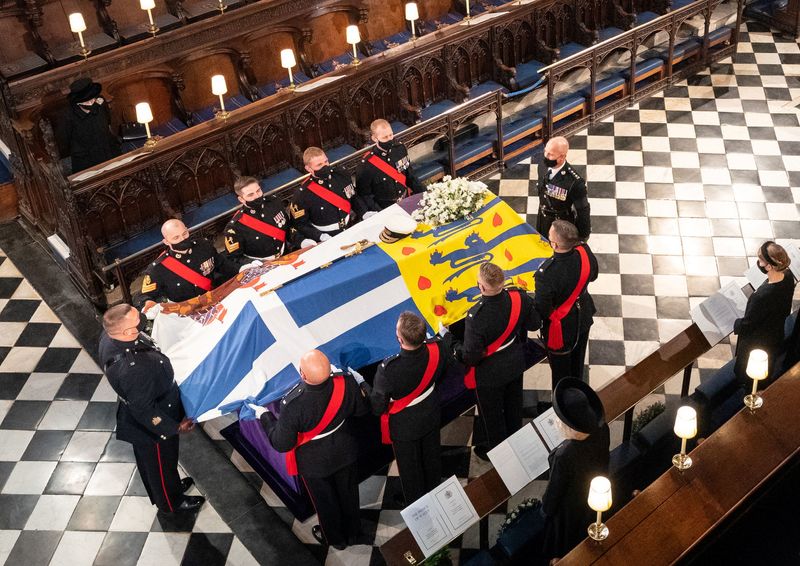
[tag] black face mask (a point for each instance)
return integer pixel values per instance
(142, 322)
(550, 162)
(93, 109)
(387, 145)
(323, 172)
(183, 246)
(762, 268)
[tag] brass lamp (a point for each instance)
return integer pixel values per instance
(78, 25)
(144, 115)
(599, 500)
(757, 369)
(287, 62)
(218, 88)
(412, 15)
(353, 37)
(149, 6)
(468, 16)
(685, 428)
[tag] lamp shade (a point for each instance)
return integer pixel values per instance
(218, 85)
(600, 494)
(686, 422)
(412, 13)
(757, 365)
(353, 35)
(147, 4)
(287, 59)
(144, 115)
(76, 23)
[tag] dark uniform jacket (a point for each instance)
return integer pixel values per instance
(485, 322)
(555, 279)
(572, 466)
(308, 209)
(398, 376)
(376, 188)
(90, 139)
(301, 410)
(160, 284)
(564, 197)
(243, 242)
(150, 406)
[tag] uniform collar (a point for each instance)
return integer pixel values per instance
(410, 353)
(554, 170)
(493, 297)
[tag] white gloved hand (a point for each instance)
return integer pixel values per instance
(307, 243)
(254, 263)
(151, 313)
(358, 377)
(443, 329)
(324, 237)
(369, 214)
(258, 409)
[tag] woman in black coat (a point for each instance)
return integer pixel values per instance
(762, 324)
(89, 126)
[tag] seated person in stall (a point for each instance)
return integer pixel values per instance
(326, 203)
(89, 126)
(385, 175)
(188, 267)
(259, 230)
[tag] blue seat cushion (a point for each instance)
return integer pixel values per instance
(520, 125)
(644, 67)
(220, 205)
(608, 33)
(474, 147)
(335, 62)
(645, 17)
(231, 103)
(449, 18)
(483, 88)
(5, 169)
(425, 170)
(683, 49)
(715, 390)
(569, 49)
(173, 126)
(393, 40)
(136, 244)
(398, 126)
(568, 103)
(339, 152)
(437, 108)
(279, 179)
(719, 34)
(680, 4)
(269, 89)
(528, 73)
(605, 85)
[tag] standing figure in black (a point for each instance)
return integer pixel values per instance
(563, 301)
(150, 414)
(326, 203)
(562, 192)
(259, 230)
(761, 326)
(404, 394)
(89, 126)
(385, 175)
(573, 464)
(315, 429)
(189, 267)
(494, 334)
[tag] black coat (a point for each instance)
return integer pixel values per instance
(377, 189)
(90, 138)
(555, 280)
(396, 377)
(309, 210)
(484, 324)
(572, 466)
(150, 406)
(563, 197)
(242, 240)
(301, 410)
(160, 284)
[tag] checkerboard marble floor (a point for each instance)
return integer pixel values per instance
(69, 492)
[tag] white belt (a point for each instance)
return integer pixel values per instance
(269, 257)
(422, 397)
(324, 434)
(506, 345)
(332, 227)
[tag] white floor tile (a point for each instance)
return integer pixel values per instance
(78, 548)
(52, 513)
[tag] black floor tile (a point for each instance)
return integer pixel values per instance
(25, 415)
(47, 445)
(640, 329)
(19, 310)
(608, 305)
(38, 334)
(8, 285)
(70, 478)
(15, 510)
(136, 487)
(94, 513)
(4, 350)
(208, 549)
(5, 471)
(637, 284)
(672, 307)
(630, 207)
(11, 383)
(786, 229)
(79, 386)
(173, 522)
(607, 352)
(630, 244)
(118, 451)
(57, 360)
(604, 225)
(34, 548)
(120, 549)
(99, 416)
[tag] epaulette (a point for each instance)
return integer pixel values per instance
(293, 394)
(545, 264)
(388, 360)
(160, 257)
(572, 171)
(237, 215)
(475, 308)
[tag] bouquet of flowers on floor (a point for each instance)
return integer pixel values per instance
(450, 200)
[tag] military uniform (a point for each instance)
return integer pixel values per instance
(564, 197)
(386, 176)
(327, 464)
(555, 279)
(204, 266)
(259, 230)
(499, 376)
(415, 429)
(315, 215)
(148, 413)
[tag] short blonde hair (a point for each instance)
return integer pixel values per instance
(113, 317)
(242, 182)
(567, 232)
(379, 123)
(310, 153)
(491, 275)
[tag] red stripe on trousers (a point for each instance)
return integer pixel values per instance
(161, 473)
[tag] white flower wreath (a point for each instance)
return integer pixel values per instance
(450, 200)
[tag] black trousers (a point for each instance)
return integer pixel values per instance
(571, 363)
(157, 463)
(335, 497)
(419, 463)
(500, 409)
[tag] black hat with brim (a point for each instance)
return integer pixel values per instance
(83, 89)
(578, 406)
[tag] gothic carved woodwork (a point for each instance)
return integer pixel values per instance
(303, 41)
(246, 76)
(33, 18)
(424, 82)
(176, 86)
(262, 150)
(175, 7)
(197, 176)
(106, 21)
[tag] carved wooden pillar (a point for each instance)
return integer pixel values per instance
(305, 39)
(365, 47)
(175, 7)
(33, 17)
(245, 76)
(176, 86)
(106, 21)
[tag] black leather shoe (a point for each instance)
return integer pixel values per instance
(186, 484)
(190, 503)
(481, 451)
(316, 531)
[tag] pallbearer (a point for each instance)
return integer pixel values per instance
(562, 191)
